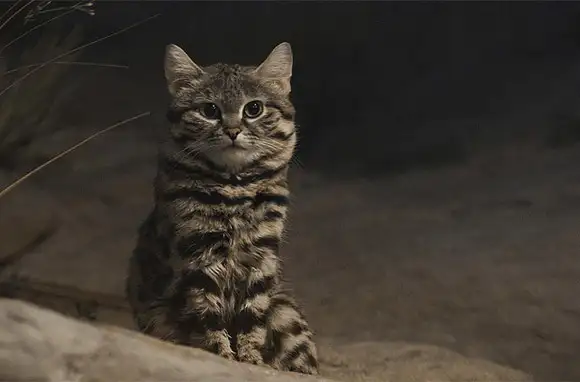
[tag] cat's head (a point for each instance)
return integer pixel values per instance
(234, 116)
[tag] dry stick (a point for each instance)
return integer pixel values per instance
(76, 7)
(17, 81)
(16, 13)
(35, 28)
(62, 154)
(80, 63)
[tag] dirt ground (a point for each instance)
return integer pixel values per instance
(479, 257)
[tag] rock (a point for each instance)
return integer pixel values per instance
(37, 344)
(41, 345)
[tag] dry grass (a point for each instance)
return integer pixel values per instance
(34, 88)
(32, 94)
(30, 104)
(29, 110)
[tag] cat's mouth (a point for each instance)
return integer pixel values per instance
(234, 149)
(235, 146)
(232, 155)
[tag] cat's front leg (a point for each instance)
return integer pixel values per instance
(204, 310)
(292, 340)
(251, 329)
(219, 342)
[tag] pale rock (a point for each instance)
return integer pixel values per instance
(37, 344)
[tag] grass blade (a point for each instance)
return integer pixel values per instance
(33, 29)
(16, 13)
(14, 5)
(68, 151)
(79, 63)
(17, 81)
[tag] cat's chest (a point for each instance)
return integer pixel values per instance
(228, 257)
(233, 279)
(230, 272)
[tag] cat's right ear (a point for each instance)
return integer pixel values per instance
(179, 69)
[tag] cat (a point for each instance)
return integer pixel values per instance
(205, 270)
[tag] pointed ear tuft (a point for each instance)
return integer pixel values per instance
(277, 67)
(179, 68)
(278, 64)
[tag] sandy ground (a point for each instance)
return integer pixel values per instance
(480, 258)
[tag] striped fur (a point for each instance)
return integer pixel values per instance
(205, 270)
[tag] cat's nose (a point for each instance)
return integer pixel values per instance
(233, 133)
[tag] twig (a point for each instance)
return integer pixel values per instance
(67, 151)
(80, 63)
(76, 7)
(85, 6)
(35, 28)
(17, 81)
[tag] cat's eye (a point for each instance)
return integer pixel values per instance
(253, 109)
(210, 111)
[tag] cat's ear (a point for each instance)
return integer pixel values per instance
(277, 67)
(179, 68)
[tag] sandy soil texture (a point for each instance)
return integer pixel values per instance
(480, 258)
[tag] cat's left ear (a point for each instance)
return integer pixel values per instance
(277, 67)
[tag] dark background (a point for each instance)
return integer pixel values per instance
(474, 248)
(379, 86)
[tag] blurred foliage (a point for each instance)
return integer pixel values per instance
(33, 90)
(28, 110)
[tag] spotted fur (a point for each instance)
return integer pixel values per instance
(205, 270)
